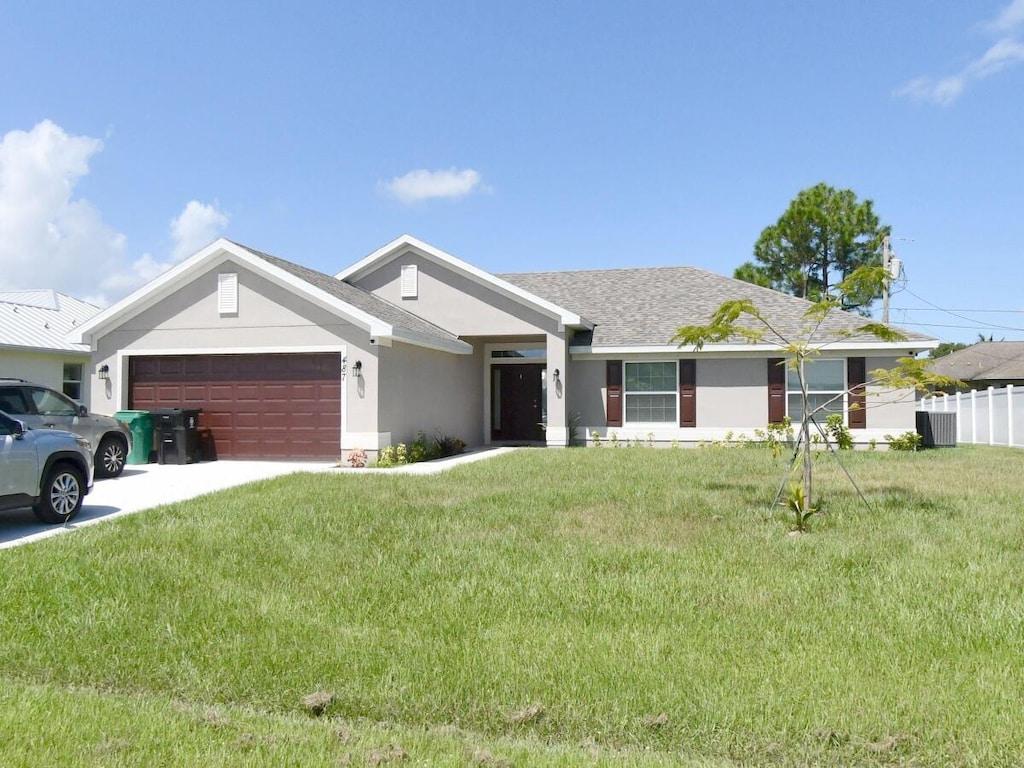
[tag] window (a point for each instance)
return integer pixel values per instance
(826, 383)
(651, 393)
(49, 403)
(72, 386)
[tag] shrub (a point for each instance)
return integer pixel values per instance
(908, 441)
(838, 432)
(357, 458)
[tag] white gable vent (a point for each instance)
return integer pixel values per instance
(227, 293)
(409, 281)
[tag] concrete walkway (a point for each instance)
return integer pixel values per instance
(145, 486)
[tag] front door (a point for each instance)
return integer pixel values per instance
(517, 402)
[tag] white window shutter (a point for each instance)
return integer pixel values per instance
(227, 293)
(409, 281)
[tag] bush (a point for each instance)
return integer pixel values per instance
(908, 441)
(421, 449)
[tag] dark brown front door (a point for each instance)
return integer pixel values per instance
(517, 399)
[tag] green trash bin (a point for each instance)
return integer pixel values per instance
(141, 425)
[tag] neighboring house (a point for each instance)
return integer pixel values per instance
(289, 362)
(983, 365)
(33, 340)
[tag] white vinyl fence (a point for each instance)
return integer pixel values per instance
(986, 417)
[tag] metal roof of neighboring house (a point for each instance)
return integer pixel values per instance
(984, 361)
(644, 306)
(357, 297)
(41, 319)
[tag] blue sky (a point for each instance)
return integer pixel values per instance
(519, 136)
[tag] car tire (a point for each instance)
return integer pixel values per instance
(110, 457)
(61, 495)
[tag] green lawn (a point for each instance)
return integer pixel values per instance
(593, 606)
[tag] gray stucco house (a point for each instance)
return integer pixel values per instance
(289, 362)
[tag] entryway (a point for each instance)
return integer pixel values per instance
(518, 402)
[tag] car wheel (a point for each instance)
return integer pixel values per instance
(110, 457)
(61, 496)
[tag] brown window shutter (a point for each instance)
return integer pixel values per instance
(687, 393)
(776, 390)
(856, 376)
(614, 393)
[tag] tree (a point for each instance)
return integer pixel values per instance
(730, 321)
(821, 239)
(946, 348)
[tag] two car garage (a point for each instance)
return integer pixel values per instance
(256, 406)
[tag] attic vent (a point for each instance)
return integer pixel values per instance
(409, 281)
(227, 293)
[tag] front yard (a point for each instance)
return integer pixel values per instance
(599, 606)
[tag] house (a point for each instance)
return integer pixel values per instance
(33, 344)
(289, 362)
(983, 365)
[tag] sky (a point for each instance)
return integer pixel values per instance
(525, 136)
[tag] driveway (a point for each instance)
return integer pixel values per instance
(149, 485)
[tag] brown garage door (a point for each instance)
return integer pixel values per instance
(256, 406)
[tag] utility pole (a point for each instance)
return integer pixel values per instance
(888, 279)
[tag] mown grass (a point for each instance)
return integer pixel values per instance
(598, 606)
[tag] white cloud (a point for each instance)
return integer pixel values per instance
(48, 238)
(1011, 17)
(424, 185)
(197, 226)
(1005, 52)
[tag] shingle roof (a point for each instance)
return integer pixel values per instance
(41, 319)
(363, 300)
(984, 361)
(645, 306)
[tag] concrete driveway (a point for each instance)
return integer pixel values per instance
(145, 486)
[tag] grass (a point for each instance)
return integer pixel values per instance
(582, 607)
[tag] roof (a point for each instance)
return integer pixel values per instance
(984, 361)
(357, 297)
(384, 321)
(643, 307)
(407, 243)
(41, 319)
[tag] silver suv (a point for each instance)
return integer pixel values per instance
(41, 407)
(46, 469)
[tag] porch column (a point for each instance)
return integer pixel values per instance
(557, 432)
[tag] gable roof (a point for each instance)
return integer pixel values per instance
(407, 243)
(383, 321)
(984, 361)
(40, 320)
(370, 303)
(643, 307)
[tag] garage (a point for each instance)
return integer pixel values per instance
(256, 406)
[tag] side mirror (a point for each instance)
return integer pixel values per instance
(18, 429)
(82, 410)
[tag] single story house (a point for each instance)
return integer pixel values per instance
(34, 326)
(289, 362)
(983, 365)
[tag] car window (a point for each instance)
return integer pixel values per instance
(51, 404)
(12, 400)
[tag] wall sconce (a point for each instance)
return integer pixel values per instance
(554, 375)
(357, 369)
(104, 371)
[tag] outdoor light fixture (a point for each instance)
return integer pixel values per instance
(104, 371)
(358, 368)
(554, 375)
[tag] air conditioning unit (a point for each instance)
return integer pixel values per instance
(937, 429)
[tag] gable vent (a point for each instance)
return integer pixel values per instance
(227, 293)
(409, 281)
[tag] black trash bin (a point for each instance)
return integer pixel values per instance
(177, 435)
